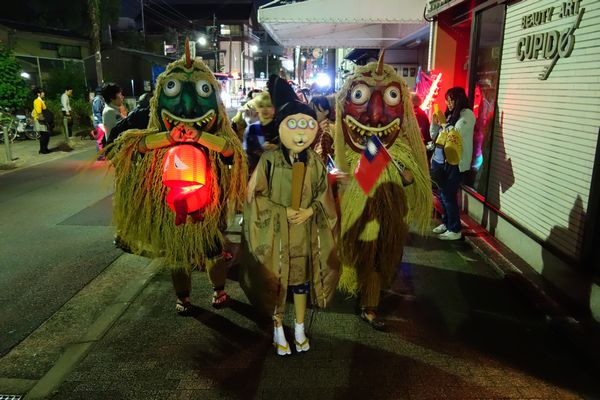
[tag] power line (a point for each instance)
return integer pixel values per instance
(166, 13)
(157, 14)
(175, 11)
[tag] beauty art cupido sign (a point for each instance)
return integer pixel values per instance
(551, 45)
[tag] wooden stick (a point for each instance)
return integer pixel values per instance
(297, 184)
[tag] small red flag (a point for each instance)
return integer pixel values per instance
(372, 163)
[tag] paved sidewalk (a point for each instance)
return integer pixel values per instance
(25, 152)
(456, 330)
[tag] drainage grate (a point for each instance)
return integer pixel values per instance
(11, 397)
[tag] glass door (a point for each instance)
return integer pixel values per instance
(483, 89)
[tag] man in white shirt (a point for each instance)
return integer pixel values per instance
(65, 102)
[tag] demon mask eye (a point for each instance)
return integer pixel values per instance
(361, 93)
(204, 88)
(392, 96)
(172, 87)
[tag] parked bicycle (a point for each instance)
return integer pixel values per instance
(25, 127)
(19, 126)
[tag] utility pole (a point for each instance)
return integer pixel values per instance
(268, 57)
(94, 11)
(215, 43)
(143, 23)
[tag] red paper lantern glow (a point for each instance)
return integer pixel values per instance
(186, 174)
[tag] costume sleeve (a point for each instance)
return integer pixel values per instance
(258, 187)
(323, 197)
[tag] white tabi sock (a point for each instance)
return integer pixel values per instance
(299, 332)
(279, 336)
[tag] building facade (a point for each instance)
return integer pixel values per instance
(532, 71)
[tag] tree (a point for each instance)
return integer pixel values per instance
(13, 88)
(94, 11)
(71, 75)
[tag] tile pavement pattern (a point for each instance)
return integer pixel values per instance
(456, 330)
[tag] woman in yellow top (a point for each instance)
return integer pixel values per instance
(39, 123)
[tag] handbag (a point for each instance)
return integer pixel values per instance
(451, 141)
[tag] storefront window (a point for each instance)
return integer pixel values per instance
(485, 67)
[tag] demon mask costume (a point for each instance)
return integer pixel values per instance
(375, 101)
(177, 180)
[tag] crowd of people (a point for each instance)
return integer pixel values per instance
(316, 218)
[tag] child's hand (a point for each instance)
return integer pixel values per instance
(301, 215)
(290, 213)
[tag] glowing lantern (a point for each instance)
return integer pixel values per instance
(185, 173)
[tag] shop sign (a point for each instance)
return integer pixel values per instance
(435, 7)
(549, 45)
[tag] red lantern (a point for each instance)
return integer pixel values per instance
(185, 173)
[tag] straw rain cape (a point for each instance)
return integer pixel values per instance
(376, 101)
(186, 110)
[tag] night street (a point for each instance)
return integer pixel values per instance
(300, 200)
(456, 329)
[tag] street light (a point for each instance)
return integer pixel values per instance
(25, 75)
(254, 48)
(202, 41)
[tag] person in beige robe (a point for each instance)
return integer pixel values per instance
(287, 246)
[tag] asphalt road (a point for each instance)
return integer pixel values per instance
(54, 239)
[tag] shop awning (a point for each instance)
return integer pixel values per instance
(341, 23)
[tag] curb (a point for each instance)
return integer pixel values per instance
(75, 352)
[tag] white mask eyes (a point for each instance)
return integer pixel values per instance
(312, 124)
(291, 124)
(204, 88)
(360, 94)
(392, 96)
(172, 87)
(302, 124)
